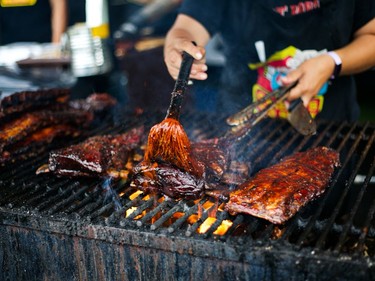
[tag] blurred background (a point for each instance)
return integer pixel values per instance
(129, 52)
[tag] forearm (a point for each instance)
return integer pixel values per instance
(179, 39)
(58, 19)
(359, 55)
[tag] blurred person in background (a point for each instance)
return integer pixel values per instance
(41, 21)
(269, 43)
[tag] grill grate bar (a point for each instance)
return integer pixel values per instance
(238, 220)
(336, 134)
(366, 226)
(253, 225)
(143, 207)
(266, 234)
(219, 219)
(106, 208)
(318, 212)
(346, 229)
(259, 147)
(176, 208)
(21, 169)
(73, 197)
(115, 216)
(151, 214)
(193, 228)
(46, 192)
(89, 197)
(97, 215)
(107, 191)
(252, 135)
(272, 146)
(280, 154)
(62, 191)
(21, 191)
(194, 209)
(322, 239)
(11, 190)
(359, 194)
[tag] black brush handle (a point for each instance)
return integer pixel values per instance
(180, 86)
(183, 75)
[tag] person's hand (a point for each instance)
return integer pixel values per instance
(311, 76)
(173, 57)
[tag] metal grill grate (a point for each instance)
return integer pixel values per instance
(338, 224)
(341, 220)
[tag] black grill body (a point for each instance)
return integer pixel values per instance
(66, 229)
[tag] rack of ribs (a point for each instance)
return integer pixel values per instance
(35, 143)
(31, 120)
(97, 156)
(276, 193)
(31, 100)
(28, 123)
(161, 177)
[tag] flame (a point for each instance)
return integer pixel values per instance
(277, 232)
(213, 210)
(210, 208)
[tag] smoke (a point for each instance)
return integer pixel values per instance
(110, 195)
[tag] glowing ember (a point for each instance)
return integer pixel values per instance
(277, 232)
(223, 227)
(193, 219)
(203, 208)
(135, 194)
(130, 211)
(208, 205)
(205, 226)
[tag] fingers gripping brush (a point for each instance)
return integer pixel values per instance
(168, 141)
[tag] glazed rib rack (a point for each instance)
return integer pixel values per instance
(113, 229)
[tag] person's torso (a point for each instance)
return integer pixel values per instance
(291, 31)
(26, 23)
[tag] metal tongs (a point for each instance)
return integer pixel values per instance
(298, 115)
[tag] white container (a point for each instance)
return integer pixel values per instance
(89, 55)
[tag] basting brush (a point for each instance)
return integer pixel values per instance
(168, 141)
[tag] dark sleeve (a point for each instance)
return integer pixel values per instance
(210, 13)
(364, 12)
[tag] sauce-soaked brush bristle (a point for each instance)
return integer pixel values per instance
(168, 141)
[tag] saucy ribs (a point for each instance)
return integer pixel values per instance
(31, 120)
(98, 156)
(28, 123)
(35, 143)
(31, 100)
(276, 193)
(165, 178)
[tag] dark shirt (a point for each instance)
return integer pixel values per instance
(306, 25)
(26, 24)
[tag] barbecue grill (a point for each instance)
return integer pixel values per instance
(92, 229)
